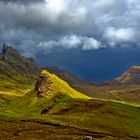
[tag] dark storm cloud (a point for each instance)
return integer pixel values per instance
(22, 1)
(46, 16)
(45, 25)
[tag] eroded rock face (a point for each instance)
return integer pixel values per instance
(131, 76)
(42, 86)
(8, 52)
(134, 72)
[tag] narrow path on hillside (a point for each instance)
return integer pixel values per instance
(121, 102)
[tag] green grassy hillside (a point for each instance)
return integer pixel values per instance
(16, 71)
(101, 119)
(51, 84)
(73, 113)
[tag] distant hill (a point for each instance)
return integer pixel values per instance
(131, 76)
(16, 70)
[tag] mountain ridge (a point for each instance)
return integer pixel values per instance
(16, 69)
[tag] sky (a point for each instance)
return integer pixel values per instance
(96, 40)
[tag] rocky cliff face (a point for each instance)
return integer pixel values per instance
(8, 52)
(42, 85)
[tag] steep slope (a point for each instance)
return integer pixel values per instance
(16, 70)
(131, 76)
(49, 84)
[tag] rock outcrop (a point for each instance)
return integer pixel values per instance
(42, 85)
(49, 85)
(8, 52)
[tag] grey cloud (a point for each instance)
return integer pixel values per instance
(43, 15)
(36, 24)
(121, 35)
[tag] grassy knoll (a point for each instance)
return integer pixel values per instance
(55, 85)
